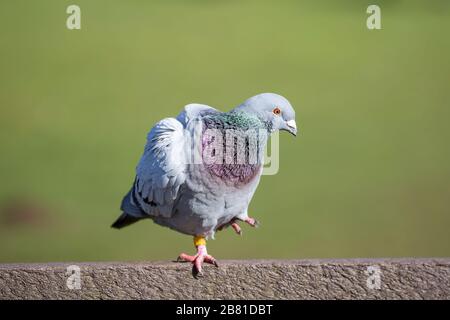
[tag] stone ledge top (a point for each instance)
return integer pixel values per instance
(385, 278)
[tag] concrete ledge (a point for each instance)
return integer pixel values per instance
(254, 279)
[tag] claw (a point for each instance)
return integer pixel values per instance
(211, 260)
(196, 273)
(253, 222)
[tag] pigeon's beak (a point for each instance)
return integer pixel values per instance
(291, 127)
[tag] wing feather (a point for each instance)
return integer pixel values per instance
(162, 169)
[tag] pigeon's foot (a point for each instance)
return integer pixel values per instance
(236, 228)
(201, 256)
(251, 221)
(234, 225)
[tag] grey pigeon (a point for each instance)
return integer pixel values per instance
(200, 170)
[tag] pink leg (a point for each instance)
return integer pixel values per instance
(234, 225)
(236, 228)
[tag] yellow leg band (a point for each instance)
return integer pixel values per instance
(199, 241)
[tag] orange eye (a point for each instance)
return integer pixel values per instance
(277, 111)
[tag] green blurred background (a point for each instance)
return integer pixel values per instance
(369, 177)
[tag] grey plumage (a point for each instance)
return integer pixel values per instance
(176, 190)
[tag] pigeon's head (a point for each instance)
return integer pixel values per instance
(273, 109)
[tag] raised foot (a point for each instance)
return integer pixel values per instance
(253, 222)
(236, 228)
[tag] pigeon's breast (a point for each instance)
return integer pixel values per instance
(235, 174)
(231, 154)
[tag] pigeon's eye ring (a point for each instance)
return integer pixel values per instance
(276, 111)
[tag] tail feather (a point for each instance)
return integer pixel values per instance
(131, 212)
(124, 220)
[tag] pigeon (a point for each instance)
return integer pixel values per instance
(199, 171)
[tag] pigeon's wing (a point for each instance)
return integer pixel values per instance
(162, 169)
(193, 111)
